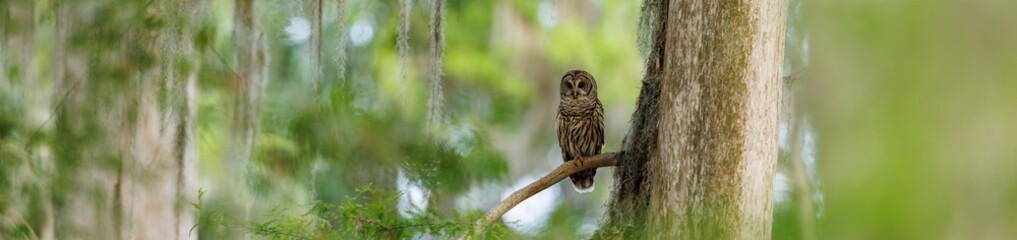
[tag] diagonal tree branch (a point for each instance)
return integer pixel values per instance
(563, 171)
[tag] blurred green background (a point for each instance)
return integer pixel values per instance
(898, 124)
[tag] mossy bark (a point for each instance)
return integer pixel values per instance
(701, 154)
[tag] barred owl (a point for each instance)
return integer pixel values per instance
(580, 123)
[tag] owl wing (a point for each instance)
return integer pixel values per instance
(598, 125)
(563, 137)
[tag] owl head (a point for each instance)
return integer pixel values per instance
(578, 85)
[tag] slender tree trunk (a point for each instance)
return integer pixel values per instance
(185, 156)
(802, 189)
(403, 43)
(436, 96)
(248, 84)
(700, 158)
(342, 10)
(184, 105)
(315, 12)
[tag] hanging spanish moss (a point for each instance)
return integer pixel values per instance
(403, 44)
(248, 84)
(340, 44)
(316, 36)
(437, 51)
(629, 200)
(648, 26)
(184, 78)
(316, 72)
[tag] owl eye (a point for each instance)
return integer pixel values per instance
(582, 84)
(568, 85)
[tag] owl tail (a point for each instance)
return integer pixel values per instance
(583, 181)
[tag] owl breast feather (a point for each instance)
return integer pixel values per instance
(578, 108)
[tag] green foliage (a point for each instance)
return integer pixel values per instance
(20, 185)
(65, 109)
(10, 114)
(368, 214)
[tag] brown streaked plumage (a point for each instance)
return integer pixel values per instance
(580, 123)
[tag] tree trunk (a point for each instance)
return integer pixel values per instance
(701, 155)
(182, 81)
(89, 183)
(436, 97)
(248, 84)
(125, 161)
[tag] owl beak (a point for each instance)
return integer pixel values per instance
(574, 96)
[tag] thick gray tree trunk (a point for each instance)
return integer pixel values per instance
(700, 158)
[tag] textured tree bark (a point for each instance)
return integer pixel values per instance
(701, 154)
